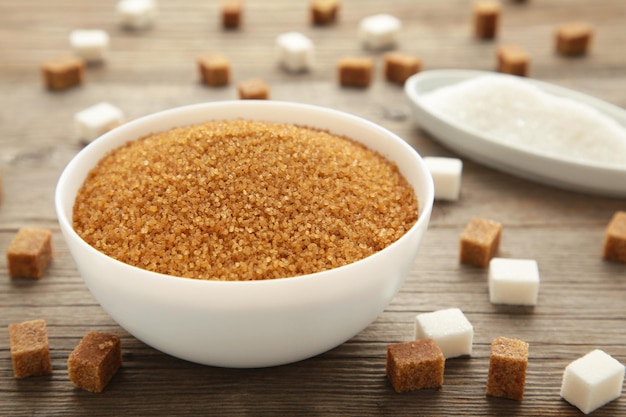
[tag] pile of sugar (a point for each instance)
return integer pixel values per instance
(520, 114)
(243, 200)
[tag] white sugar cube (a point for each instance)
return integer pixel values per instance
(592, 381)
(450, 329)
(91, 45)
(97, 120)
(136, 14)
(513, 281)
(379, 31)
(295, 51)
(446, 174)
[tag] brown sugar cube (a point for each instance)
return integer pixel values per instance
(415, 365)
(398, 66)
(355, 71)
(214, 69)
(480, 241)
(94, 361)
(253, 89)
(507, 368)
(486, 18)
(232, 10)
(513, 60)
(324, 12)
(30, 352)
(574, 38)
(615, 238)
(29, 253)
(63, 73)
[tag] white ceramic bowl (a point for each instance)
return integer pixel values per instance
(555, 170)
(258, 323)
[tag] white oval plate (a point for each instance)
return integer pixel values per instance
(563, 173)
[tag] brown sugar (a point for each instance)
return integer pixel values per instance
(507, 368)
(486, 18)
(94, 361)
(513, 60)
(30, 352)
(62, 73)
(214, 69)
(29, 253)
(253, 89)
(480, 241)
(415, 365)
(324, 12)
(398, 66)
(355, 71)
(243, 200)
(232, 11)
(573, 38)
(615, 238)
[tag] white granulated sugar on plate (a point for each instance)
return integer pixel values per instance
(519, 114)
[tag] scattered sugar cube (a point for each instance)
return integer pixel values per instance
(507, 368)
(399, 66)
(214, 69)
(355, 71)
(29, 253)
(379, 31)
(480, 241)
(446, 174)
(324, 12)
(232, 12)
(486, 18)
(94, 361)
(136, 14)
(512, 59)
(96, 120)
(295, 51)
(513, 281)
(592, 381)
(415, 365)
(90, 44)
(449, 328)
(62, 73)
(615, 238)
(30, 353)
(253, 89)
(573, 38)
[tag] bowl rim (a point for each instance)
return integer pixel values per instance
(424, 207)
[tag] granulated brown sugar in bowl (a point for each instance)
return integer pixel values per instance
(243, 200)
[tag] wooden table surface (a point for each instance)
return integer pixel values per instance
(582, 300)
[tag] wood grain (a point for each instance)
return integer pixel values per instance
(582, 300)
